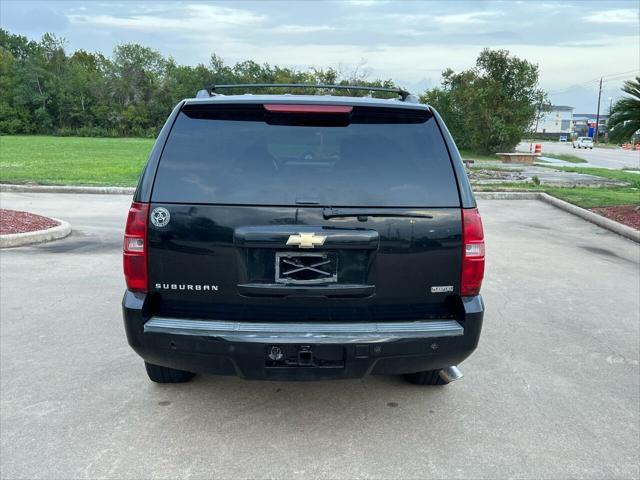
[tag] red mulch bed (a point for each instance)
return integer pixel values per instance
(626, 214)
(14, 221)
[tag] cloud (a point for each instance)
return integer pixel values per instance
(400, 40)
(303, 28)
(567, 65)
(454, 19)
(551, 5)
(621, 15)
(468, 18)
(594, 42)
(197, 17)
(365, 3)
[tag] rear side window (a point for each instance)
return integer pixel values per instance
(245, 155)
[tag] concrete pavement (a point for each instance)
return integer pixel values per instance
(553, 390)
(598, 157)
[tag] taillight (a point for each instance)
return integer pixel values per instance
(472, 253)
(135, 247)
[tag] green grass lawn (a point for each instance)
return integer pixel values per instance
(592, 197)
(469, 155)
(585, 197)
(567, 157)
(631, 178)
(498, 167)
(72, 160)
(596, 197)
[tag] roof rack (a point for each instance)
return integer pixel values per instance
(211, 89)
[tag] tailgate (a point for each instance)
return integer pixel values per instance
(293, 264)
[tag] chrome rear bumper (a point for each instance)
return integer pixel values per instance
(316, 332)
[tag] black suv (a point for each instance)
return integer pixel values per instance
(303, 237)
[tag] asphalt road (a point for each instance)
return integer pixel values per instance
(553, 390)
(600, 157)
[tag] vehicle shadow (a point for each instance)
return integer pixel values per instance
(267, 403)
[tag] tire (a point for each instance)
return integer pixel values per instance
(160, 374)
(427, 377)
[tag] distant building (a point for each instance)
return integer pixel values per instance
(584, 124)
(555, 121)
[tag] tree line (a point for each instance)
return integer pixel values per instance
(45, 90)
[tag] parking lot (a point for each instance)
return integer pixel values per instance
(553, 390)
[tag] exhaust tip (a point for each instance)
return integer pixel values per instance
(450, 374)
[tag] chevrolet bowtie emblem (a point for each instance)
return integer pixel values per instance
(306, 240)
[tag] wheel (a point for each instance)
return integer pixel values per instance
(573, 146)
(427, 377)
(160, 374)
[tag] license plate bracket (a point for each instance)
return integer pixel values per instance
(305, 268)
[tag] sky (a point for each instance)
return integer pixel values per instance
(412, 42)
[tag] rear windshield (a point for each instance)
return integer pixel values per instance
(245, 155)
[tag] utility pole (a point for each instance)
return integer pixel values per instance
(595, 136)
(609, 118)
(535, 130)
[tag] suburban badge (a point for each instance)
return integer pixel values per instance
(187, 286)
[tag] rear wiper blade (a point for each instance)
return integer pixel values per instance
(362, 213)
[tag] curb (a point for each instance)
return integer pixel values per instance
(599, 220)
(37, 236)
(5, 187)
(594, 218)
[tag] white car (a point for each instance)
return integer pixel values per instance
(583, 142)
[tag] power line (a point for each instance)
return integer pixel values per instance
(566, 89)
(613, 75)
(616, 79)
(596, 80)
(621, 73)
